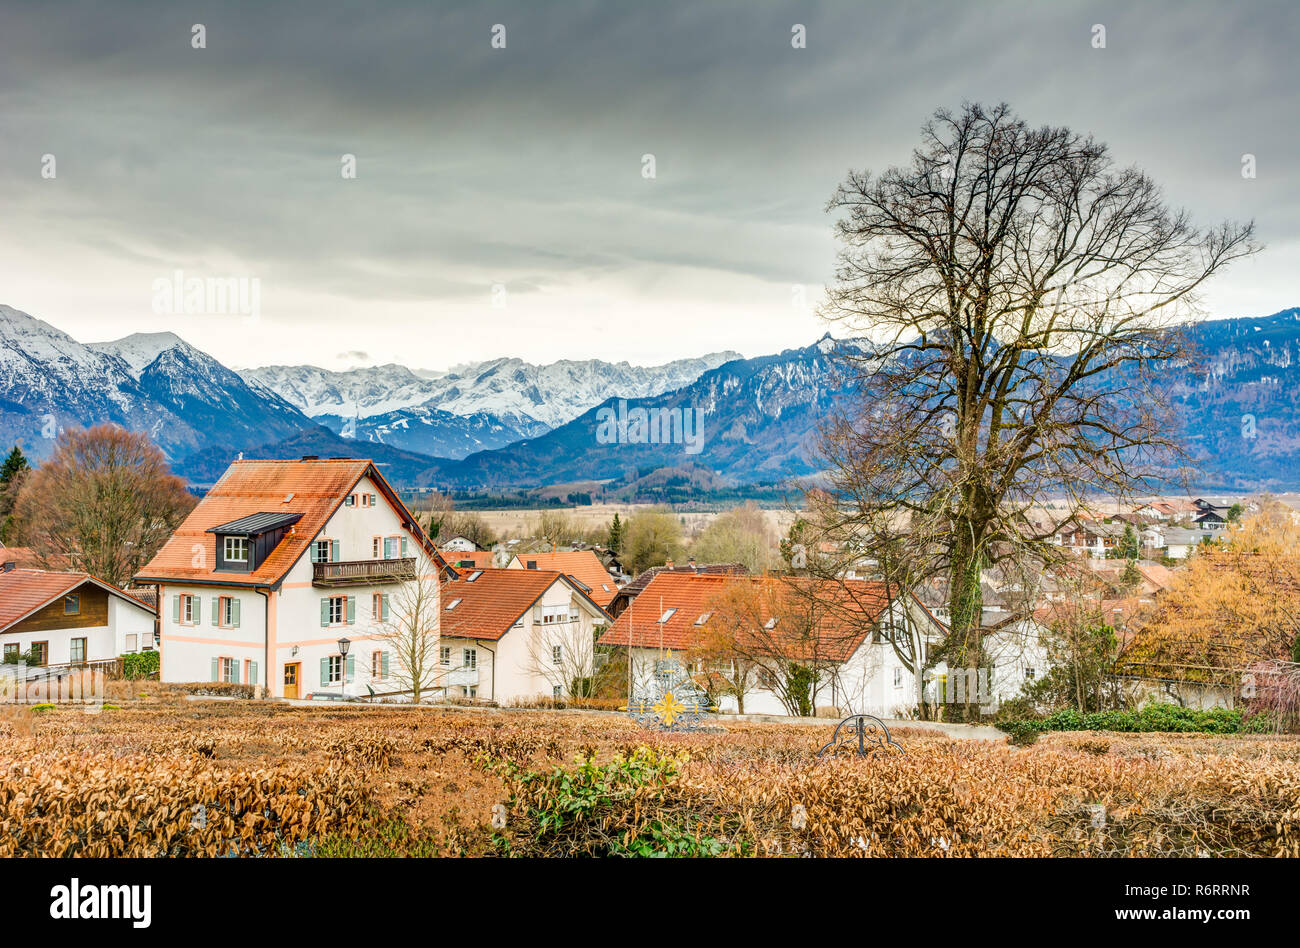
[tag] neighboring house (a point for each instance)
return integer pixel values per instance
(483, 559)
(582, 565)
(69, 618)
(1180, 542)
(516, 634)
(1211, 520)
(277, 563)
(1092, 537)
(858, 669)
(458, 544)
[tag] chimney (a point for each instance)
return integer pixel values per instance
(691, 564)
(668, 563)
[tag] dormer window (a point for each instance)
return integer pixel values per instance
(668, 614)
(236, 549)
(243, 544)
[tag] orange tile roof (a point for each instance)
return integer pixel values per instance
(248, 487)
(494, 601)
(852, 607)
(23, 591)
(481, 559)
(584, 566)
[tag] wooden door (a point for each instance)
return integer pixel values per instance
(291, 680)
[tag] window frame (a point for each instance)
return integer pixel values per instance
(226, 546)
(71, 643)
(75, 600)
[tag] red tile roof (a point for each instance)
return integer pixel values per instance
(478, 560)
(313, 488)
(24, 591)
(849, 609)
(584, 566)
(492, 603)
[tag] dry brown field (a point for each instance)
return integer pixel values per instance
(157, 774)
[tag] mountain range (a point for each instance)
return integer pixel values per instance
(509, 423)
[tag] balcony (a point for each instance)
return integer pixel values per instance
(362, 572)
(463, 677)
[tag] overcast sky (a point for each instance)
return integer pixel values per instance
(522, 167)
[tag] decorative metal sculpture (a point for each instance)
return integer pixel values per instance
(672, 702)
(866, 735)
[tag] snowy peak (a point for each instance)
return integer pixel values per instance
(140, 349)
(504, 388)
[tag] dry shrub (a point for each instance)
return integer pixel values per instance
(98, 805)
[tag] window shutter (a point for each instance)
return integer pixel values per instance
(373, 501)
(334, 551)
(352, 610)
(383, 665)
(198, 610)
(352, 666)
(234, 606)
(324, 612)
(215, 671)
(252, 673)
(176, 608)
(384, 602)
(324, 671)
(404, 546)
(216, 610)
(388, 548)
(234, 672)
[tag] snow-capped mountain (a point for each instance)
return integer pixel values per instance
(155, 382)
(507, 391)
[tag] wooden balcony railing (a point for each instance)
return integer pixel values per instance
(362, 572)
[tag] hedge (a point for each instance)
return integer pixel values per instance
(1153, 717)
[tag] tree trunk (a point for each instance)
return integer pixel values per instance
(965, 602)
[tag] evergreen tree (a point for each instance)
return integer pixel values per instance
(615, 534)
(15, 464)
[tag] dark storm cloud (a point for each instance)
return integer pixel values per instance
(523, 166)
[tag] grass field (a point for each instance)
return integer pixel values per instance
(157, 774)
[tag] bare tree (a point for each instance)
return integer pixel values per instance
(564, 654)
(104, 503)
(411, 630)
(1019, 295)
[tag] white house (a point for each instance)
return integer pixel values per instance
(459, 544)
(840, 628)
(69, 618)
(277, 563)
(515, 634)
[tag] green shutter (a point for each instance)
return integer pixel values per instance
(352, 610)
(215, 673)
(324, 672)
(234, 606)
(198, 610)
(388, 548)
(176, 609)
(334, 551)
(216, 610)
(352, 666)
(404, 546)
(234, 672)
(383, 665)
(374, 501)
(252, 673)
(324, 612)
